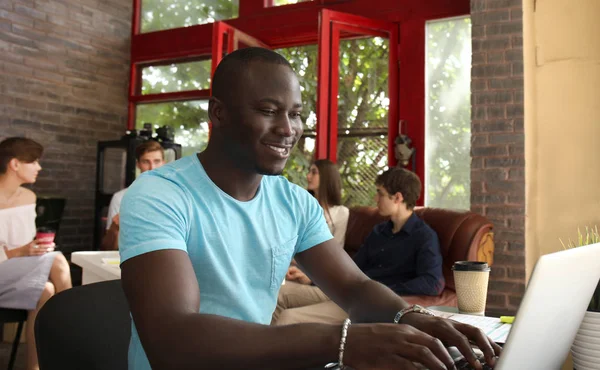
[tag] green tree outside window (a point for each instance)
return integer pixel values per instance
(363, 103)
(448, 114)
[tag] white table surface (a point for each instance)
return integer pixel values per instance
(94, 269)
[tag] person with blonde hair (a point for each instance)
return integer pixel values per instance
(30, 273)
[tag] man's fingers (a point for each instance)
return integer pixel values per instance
(458, 335)
(496, 346)
(489, 348)
(428, 350)
(492, 358)
(423, 355)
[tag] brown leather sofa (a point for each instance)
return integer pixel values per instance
(463, 235)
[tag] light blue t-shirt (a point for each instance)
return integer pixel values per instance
(240, 250)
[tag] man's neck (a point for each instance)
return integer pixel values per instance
(399, 219)
(239, 184)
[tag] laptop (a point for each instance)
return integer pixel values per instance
(555, 301)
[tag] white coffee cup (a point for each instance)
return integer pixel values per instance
(471, 283)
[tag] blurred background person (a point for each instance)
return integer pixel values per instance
(30, 273)
(148, 156)
(324, 182)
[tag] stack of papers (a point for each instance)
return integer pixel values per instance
(491, 326)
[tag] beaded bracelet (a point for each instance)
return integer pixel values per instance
(345, 327)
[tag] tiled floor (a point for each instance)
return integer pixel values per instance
(5, 355)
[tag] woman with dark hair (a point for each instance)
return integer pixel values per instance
(30, 273)
(325, 183)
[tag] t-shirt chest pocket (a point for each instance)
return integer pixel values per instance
(282, 254)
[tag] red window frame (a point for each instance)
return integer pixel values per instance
(224, 34)
(331, 25)
(296, 25)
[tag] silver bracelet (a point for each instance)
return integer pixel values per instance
(414, 308)
(345, 328)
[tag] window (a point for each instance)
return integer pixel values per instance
(448, 114)
(160, 15)
(287, 2)
(304, 61)
(359, 98)
(188, 119)
(176, 77)
(362, 117)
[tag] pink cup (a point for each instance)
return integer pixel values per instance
(45, 236)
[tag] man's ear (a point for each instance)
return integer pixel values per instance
(215, 111)
(398, 197)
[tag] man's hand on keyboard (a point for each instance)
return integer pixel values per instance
(453, 333)
(393, 346)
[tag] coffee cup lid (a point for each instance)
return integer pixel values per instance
(470, 266)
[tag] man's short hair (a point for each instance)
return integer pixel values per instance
(147, 147)
(400, 180)
(23, 149)
(234, 64)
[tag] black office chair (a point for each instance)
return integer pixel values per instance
(8, 315)
(87, 327)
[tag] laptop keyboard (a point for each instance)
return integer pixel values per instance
(464, 365)
(460, 362)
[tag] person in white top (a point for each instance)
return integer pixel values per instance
(148, 156)
(29, 273)
(325, 183)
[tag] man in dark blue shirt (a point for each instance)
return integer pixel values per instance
(402, 253)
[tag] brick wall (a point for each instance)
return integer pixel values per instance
(498, 166)
(63, 82)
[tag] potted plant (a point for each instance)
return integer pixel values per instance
(586, 346)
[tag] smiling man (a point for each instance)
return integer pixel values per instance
(206, 242)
